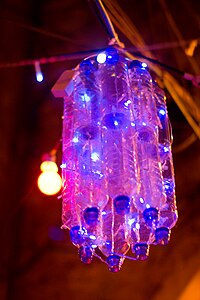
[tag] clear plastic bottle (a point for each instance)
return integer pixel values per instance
(168, 213)
(141, 237)
(118, 151)
(83, 191)
(151, 193)
(69, 175)
(87, 137)
(114, 235)
(165, 137)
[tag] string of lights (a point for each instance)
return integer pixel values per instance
(195, 79)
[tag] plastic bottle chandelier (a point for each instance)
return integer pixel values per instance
(118, 179)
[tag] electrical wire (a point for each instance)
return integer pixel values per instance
(83, 54)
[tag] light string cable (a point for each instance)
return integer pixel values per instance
(83, 54)
(114, 40)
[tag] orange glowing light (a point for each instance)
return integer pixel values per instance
(49, 181)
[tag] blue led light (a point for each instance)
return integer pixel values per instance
(162, 112)
(94, 156)
(101, 58)
(85, 98)
(39, 77)
(166, 149)
(169, 187)
(144, 65)
(112, 55)
(75, 139)
(115, 121)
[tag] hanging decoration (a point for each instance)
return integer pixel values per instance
(118, 178)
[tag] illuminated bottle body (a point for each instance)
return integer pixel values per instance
(118, 154)
(168, 212)
(141, 238)
(114, 234)
(117, 144)
(151, 194)
(70, 216)
(118, 178)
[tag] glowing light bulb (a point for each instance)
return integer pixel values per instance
(101, 58)
(75, 139)
(38, 72)
(49, 182)
(144, 65)
(39, 77)
(162, 112)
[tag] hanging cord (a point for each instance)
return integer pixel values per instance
(114, 40)
(195, 79)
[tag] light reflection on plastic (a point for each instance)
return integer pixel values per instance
(75, 140)
(137, 226)
(166, 149)
(94, 156)
(86, 98)
(116, 123)
(127, 103)
(131, 221)
(141, 200)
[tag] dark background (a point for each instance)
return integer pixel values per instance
(37, 260)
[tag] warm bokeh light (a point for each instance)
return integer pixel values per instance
(49, 181)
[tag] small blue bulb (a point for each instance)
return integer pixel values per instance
(162, 113)
(169, 186)
(101, 58)
(112, 55)
(144, 65)
(39, 77)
